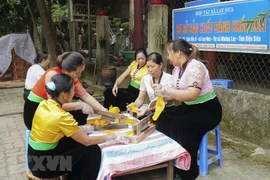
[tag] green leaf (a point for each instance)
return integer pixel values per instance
(262, 22)
(248, 28)
(117, 21)
(262, 14)
(248, 21)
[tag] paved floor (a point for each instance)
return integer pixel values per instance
(238, 161)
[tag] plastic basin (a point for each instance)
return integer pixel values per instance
(129, 55)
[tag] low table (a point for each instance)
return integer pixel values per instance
(155, 151)
(168, 165)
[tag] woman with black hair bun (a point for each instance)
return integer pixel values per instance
(120, 97)
(34, 73)
(55, 134)
(72, 64)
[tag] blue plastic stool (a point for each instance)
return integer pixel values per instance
(27, 135)
(224, 83)
(203, 161)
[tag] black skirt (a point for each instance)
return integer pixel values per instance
(29, 110)
(25, 93)
(205, 117)
(187, 124)
(69, 157)
(123, 98)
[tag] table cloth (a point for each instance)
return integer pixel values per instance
(154, 149)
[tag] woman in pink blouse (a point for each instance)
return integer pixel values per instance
(200, 111)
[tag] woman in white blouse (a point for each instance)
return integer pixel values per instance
(156, 76)
(42, 61)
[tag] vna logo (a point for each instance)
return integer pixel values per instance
(51, 163)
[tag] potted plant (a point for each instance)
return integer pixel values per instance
(103, 11)
(157, 1)
(125, 28)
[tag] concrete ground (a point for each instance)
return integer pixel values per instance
(241, 160)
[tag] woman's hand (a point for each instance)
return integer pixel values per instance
(104, 109)
(116, 138)
(143, 110)
(87, 128)
(152, 104)
(86, 108)
(159, 89)
(115, 90)
(163, 91)
(130, 105)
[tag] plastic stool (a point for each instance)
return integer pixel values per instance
(224, 83)
(203, 161)
(27, 135)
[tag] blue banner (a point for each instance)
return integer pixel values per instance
(200, 2)
(220, 26)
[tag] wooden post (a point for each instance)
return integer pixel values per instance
(73, 33)
(89, 29)
(158, 31)
(72, 27)
(103, 42)
(138, 24)
(170, 170)
(131, 13)
(70, 10)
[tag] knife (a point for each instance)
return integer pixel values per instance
(111, 116)
(111, 126)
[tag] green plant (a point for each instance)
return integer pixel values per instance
(121, 34)
(59, 13)
(117, 21)
(14, 16)
(92, 27)
(260, 17)
(92, 33)
(104, 8)
(125, 26)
